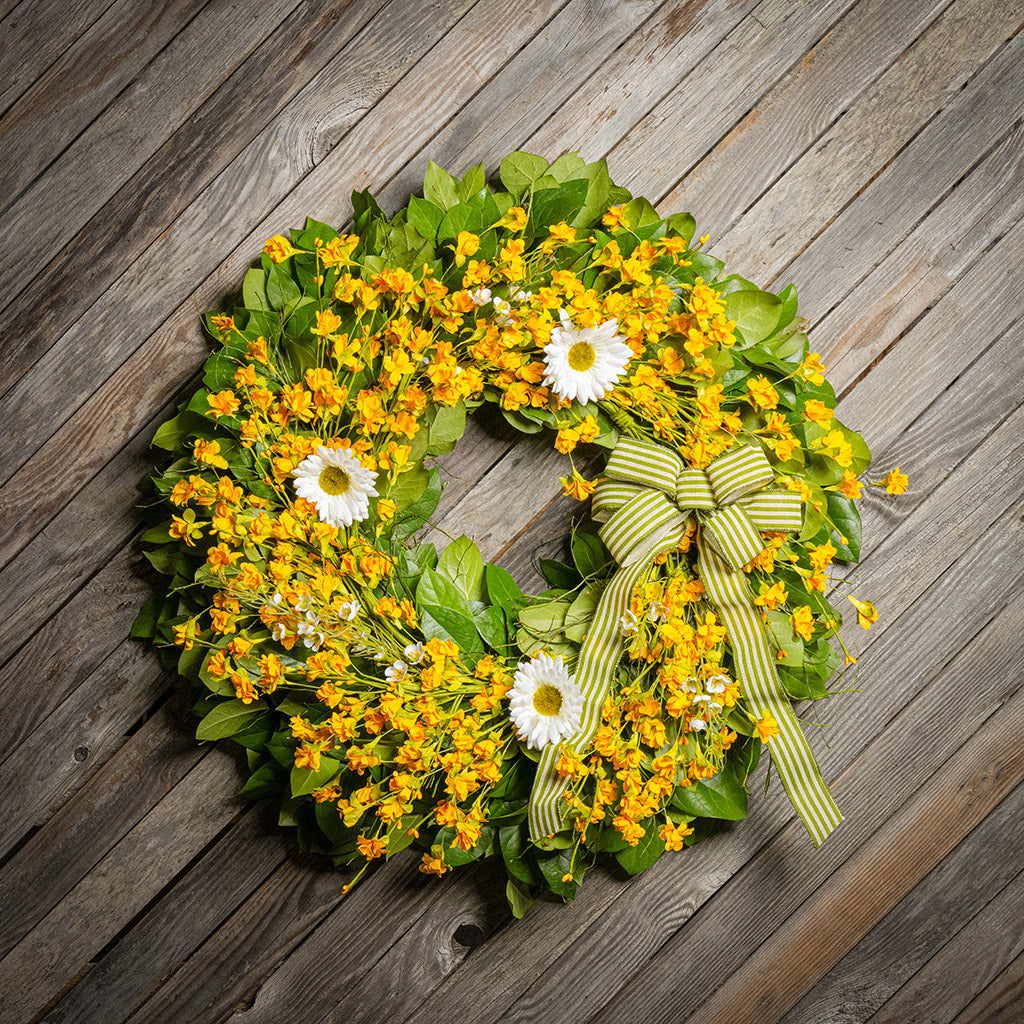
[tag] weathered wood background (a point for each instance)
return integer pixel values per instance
(868, 151)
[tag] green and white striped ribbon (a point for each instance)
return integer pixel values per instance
(647, 497)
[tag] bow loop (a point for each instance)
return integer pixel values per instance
(738, 472)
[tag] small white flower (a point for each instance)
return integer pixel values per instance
(396, 671)
(415, 653)
(716, 684)
(278, 632)
(480, 296)
(698, 725)
(349, 610)
(583, 363)
(659, 612)
(629, 622)
(337, 483)
(502, 312)
(519, 294)
(303, 602)
(545, 704)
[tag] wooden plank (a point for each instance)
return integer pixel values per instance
(991, 103)
(69, 646)
(130, 129)
(788, 119)
(972, 959)
(979, 210)
(132, 970)
(76, 543)
(135, 779)
(70, 746)
(226, 970)
(564, 99)
(881, 403)
(999, 1002)
(33, 34)
(211, 987)
(76, 89)
(266, 82)
(927, 79)
(646, 69)
(934, 913)
(89, 916)
(197, 238)
(434, 946)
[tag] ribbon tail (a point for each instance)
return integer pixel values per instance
(598, 659)
(755, 667)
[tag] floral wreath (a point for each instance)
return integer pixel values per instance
(387, 695)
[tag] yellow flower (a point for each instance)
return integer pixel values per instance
(278, 248)
(223, 403)
(326, 323)
(208, 453)
(812, 370)
(866, 611)
(803, 622)
(818, 412)
(761, 392)
(766, 727)
(466, 244)
(896, 482)
(515, 219)
(576, 486)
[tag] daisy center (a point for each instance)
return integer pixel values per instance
(334, 480)
(547, 699)
(581, 357)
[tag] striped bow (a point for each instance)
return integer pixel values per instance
(647, 497)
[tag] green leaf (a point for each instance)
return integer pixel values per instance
(756, 314)
(638, 213)
(589, 554)
(473, 182)
(305, 780)
(558, 574)
(416, 514)
(446, 611)
(264, 782)
(780, 626)
(520, 170)
(567, 167)
(447, 427)
(514, 843)
(229, 718)
(554, 868)
(519, 898)
(502, 589)
(425, 217)
(254, 289)
(640, 857)
(722, 796)
(462, 564)
(171, 434)
(491, 625)
(553, 205)
(846, 519)
(581, 612)
(682, 224)
(281, 287)
(440, 188)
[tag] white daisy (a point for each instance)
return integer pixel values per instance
(545, 704)
(583, 363)
(335, 481)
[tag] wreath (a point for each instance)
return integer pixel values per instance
(387, 695)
